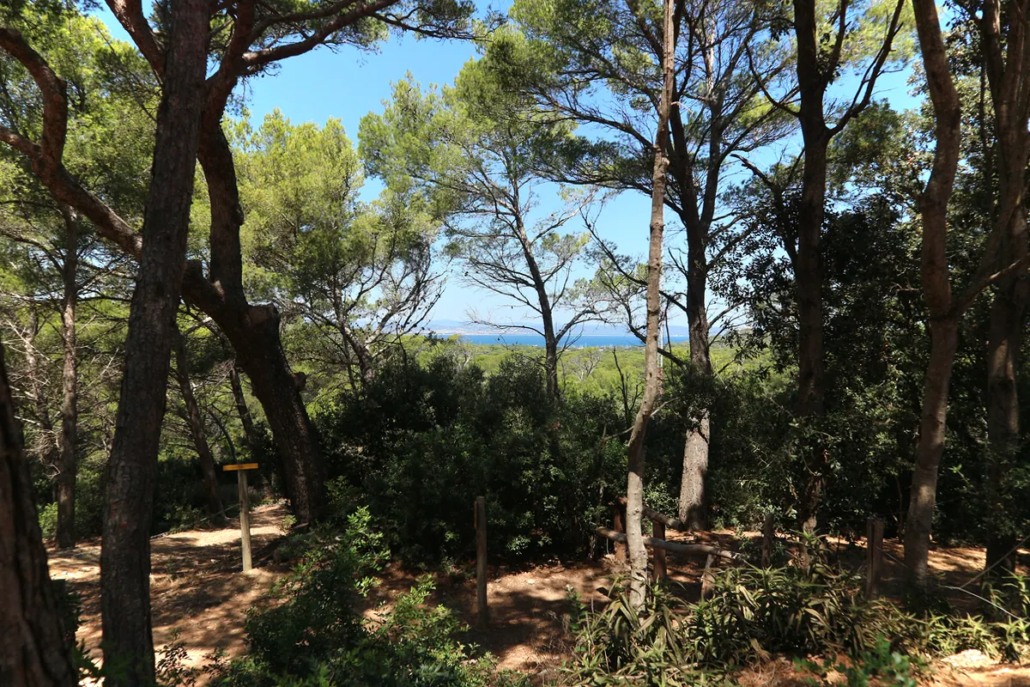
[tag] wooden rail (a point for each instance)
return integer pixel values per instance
(655, 516)
(620, 537)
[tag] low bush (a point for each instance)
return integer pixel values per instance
(318, 636)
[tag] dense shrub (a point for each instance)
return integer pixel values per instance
(318, 636)
(421, 442)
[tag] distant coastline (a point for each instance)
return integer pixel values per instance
(584, 341)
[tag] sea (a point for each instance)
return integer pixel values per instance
(585, 341)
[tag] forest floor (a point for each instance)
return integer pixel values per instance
(201, 597)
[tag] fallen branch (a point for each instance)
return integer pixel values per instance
(672, 546)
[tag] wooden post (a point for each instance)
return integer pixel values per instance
(619, 525)
(874, 556)
(481, 603)
(768, 538)
(661, 572)
(241, 473)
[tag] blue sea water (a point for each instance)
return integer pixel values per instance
(586, 341)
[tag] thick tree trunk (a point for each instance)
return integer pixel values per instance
(131, 471)
(69, 383)
(253, 332)
(808, 279)
(692, 500)
(695, 469)
(932, 430)
(260, 354)
(196, 424)
(33, 652)
(635, 479)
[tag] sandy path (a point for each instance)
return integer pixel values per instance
(197, 586)
(201, 596)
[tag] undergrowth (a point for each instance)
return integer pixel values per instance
(799, 610)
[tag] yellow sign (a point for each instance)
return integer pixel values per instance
(240, 466)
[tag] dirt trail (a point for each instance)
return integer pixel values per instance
(201, 596)
(197, 585)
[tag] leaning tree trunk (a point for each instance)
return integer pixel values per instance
(69, 382)
(33, 652)
(692, 500)
(132, 467)
(196, 425)
(635, 479)
(253, 331)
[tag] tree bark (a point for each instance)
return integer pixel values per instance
(196, 425)
(69, 382)
(936, 283)
(932, 431)
(692, 499)
(132, 467)
(635, 479)
(695, 468)
(1005, 337)
(33, 652)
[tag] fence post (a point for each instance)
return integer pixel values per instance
(480, 519)
(619, 525)
(768, 537)
(661, 572)
(874, 556)
(241, 473)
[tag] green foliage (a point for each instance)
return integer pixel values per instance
(317, 635)
(423, 441)
(48, 520)
(880, 664)
(621, 645)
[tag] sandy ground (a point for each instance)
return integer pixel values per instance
(201, 596)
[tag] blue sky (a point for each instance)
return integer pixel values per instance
(347, 84)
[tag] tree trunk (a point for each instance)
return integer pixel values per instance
(253, 332)
(692, 500)
(1009, 77)
(808, 266)
(932, 430)
(246, 419)
(1004, 340)
(196, 424)
(635, 479)
(936, 283)
(131, 471)
(69, 383)
(33, 652)
(695, 469)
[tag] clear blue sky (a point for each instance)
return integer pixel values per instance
(347, 84)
